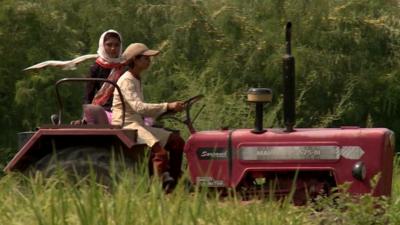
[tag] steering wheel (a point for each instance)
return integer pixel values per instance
(188, 103)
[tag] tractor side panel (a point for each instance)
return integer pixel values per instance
(384, 186)
(352, 146)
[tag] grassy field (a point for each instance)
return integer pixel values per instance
(347, 68)
(35, 202)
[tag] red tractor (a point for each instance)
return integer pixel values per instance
(307, 161)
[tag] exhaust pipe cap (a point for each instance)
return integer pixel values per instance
(259, 95)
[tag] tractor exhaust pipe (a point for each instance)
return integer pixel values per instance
(289, 100)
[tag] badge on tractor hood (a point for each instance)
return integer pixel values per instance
(269, 153)
(209, 153)
(289, 152)
(209, 182)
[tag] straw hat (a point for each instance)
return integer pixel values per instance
(136, 49)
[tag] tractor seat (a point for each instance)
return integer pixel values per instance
(95, 114)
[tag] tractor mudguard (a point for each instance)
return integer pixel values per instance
(53, 138)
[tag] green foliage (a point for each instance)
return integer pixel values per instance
(347, 57)
(140, 200)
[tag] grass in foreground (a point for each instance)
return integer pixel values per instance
(33, 201)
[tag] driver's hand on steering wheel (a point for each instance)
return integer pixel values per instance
(176, 106)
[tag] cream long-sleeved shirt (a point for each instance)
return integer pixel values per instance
(135, 106)
(136, 109)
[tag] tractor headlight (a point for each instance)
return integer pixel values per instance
(359, 171)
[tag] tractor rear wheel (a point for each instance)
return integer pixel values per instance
(81, 162)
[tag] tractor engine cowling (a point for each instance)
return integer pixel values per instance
(310, 159)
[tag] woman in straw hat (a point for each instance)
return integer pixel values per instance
(138, 58)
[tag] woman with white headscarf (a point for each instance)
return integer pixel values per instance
(108, 65)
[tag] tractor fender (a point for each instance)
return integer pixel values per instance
(45, 140)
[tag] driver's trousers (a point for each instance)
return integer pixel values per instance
(160, 140)
(174, 147)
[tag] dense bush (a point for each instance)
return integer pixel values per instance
(347, 57)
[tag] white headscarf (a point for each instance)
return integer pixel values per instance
(71, 64)
(102, 52)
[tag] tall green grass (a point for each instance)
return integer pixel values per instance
(141, 201)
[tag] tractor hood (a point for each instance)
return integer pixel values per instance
(222, 158)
